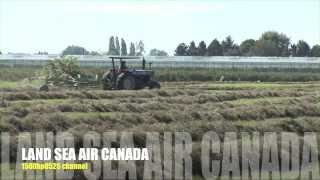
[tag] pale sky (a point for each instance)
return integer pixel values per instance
(51, 25)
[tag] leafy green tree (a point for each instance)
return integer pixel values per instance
(192, 49)
(214, 48)
(281, 41)
(112, 48)
(42, 53)
(117, 46)
(94, 53)
(293, 50)
(303, 49)
(202, 49)
(74, 50)
(266, 48)
(157, 52)
(315, 51)
(132, 50)
(140, 49)
(247, 46)
(0, 52)
(123, 48)
(181, 50)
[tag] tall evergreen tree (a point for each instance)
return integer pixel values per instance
(229, 48)
(117, 46)
(293, 50)
(123, 48)
(214, 48)
(181, 50)
(112, 48)
(132, 50)
(227, 45)
(193, 50)
(140, 49)
(303, 49)
(202, 49)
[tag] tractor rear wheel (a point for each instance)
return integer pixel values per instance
(128, 83)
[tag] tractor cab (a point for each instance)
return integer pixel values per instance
(122, 78)
(123, 66)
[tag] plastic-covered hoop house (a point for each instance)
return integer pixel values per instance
(176, 61)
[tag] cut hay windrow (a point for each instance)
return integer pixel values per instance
(180, 104)
(129, 115)
(99, 94)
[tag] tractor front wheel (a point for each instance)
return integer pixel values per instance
(44, 87)
(106, 81)
(154, 84)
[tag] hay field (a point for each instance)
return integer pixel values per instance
(194, 107)
(180, 106)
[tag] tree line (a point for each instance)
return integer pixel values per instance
(271, 43)
(77, 50)
(135, 49)
(117, 48)
(121, 50)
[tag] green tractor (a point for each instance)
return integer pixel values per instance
(122, 78)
